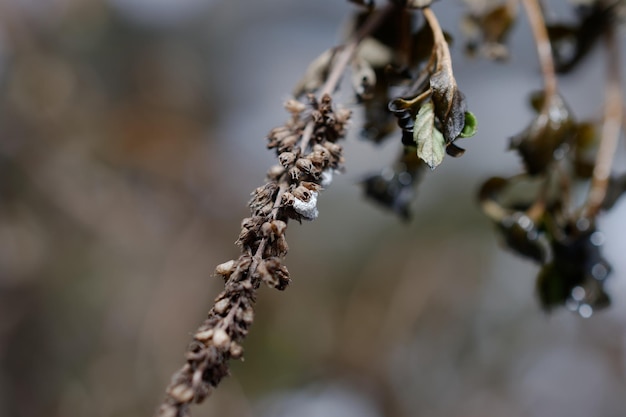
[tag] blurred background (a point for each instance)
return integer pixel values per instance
(131, 133)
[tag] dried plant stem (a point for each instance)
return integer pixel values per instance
(308, 155)
(611, 126)
(544, 48)
(441, 45)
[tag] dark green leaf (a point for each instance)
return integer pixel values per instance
(471, 125)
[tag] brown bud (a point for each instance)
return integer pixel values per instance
(236, 351)
(294, 173)
(275, 172)
(305, 165)
(181, 393)
(334, 149)
(248, 316)
(287, 199)
(225, 269)
(294, 106)
(343, 115)
(167, 410)
(204, 335)
(281, 246)
(311, 186)
(302, 193)
(221, 306)
(288, 143)
(279, 227)
(221, 339)
(286, 159)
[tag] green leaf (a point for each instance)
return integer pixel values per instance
(431, 145)
(471, 125)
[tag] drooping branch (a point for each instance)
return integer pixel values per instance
(308, 155)
(611, 126)
(544, 48)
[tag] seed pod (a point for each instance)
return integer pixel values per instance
(204, 335)
(221, 306)
(288, 143)
(221, 339)
(274, 173)
(225, 269)
(294, 107)
(181, 393)
(236, 351)
(287, 159)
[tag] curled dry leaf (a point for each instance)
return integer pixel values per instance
(571, 44)
(576, 275)
(550, 129)
(487, 32)
(449, 102)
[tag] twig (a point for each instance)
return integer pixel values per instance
(611, 126)
(441, 45)
(544, 48)
(340, 62)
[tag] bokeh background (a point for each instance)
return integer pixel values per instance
(131, 133)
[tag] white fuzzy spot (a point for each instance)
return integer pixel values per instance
(307, 209)
(327, 178)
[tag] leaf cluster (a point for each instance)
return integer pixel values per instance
(536, 215)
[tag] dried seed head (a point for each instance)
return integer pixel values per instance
(287, 199)
(221, 339)
(181, 393)
(281, 246)
(302, 193)
(266, 209)
(266, 230)
(204, 335)
(278, 272)
(334, 149)
(294, 173)
(225, 269)
(343, 115)
(274, 173)
(286, 159)
(319, 158)
(236, 351)
(279, 227)
(311, 185)
(288, 143)
(247, 316)
(221, 306)
(305, 165)
(294, 107)
(167, 410)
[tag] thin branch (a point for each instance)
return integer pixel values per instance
(441, 45)
(544, 48)
(341, 61)
(611, 126)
